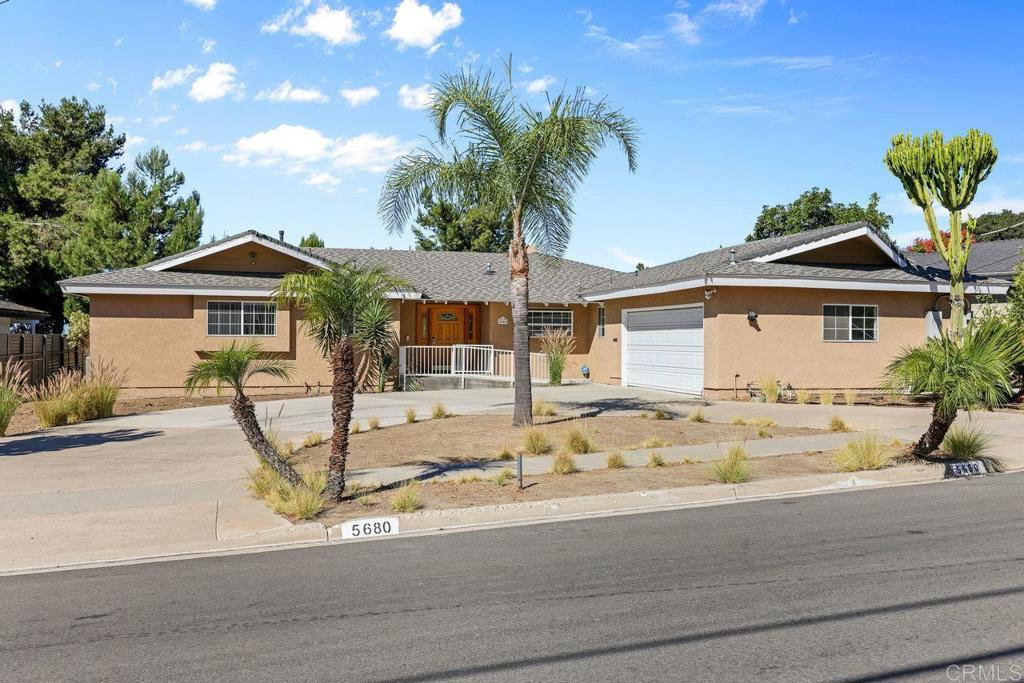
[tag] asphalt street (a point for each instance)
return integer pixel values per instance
(906, 583)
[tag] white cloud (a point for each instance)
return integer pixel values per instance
(218, 81)
(788, 63)
(357, 97)
(628, 260)
(415, 98)
(639, 45)
(286, 92)
(207, 45)
(181, 131)
(161, 120)
(795, 17)
(684, 28)
(539, 85)
(295, 149)
(57, 63)
(199, 146)
(205, 5)
(334, 26)
(172, 78)
(119, 42)
(133, 140)
(740, 9)
(9, 105)
(524, 68)
(92, 86)
(415, 25)
(323, 180)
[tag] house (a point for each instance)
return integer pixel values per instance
(12, 313)
(826, 308)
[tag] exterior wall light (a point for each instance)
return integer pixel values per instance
(752, 316)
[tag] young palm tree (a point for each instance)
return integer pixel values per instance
(505, 154)
(333, 303)
(963, 374)
(234, 366)
(377, 337)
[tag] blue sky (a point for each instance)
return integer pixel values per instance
(284, 114)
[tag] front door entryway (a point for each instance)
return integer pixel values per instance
(447, 325)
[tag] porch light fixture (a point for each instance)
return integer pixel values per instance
(252, 258)
(710, 292)
(752, 316)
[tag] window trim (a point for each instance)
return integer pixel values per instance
(602, 322)
(244, 305)
(849, 317)
(572, 319)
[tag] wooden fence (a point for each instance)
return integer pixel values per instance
(42, 354)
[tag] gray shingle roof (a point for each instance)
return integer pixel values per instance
(996, 258)
(717, 263)
(439, 275)
(11, 309)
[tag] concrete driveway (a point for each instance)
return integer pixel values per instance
(174, 482)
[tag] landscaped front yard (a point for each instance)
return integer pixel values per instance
(482, 437)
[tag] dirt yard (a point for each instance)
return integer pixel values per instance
(481, 437)
(441, 495)
(25, 421)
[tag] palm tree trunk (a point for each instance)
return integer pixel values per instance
(245, 415)
(519, 267)
(932, 439)
(343, 370)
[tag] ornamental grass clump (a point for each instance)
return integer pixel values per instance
(304, 500)
(615, 461)
(734, 469)
(313, 440)
(577, 441)
(699, 416)
(564, 463)
(771, 387)
(504, 477)
(535, 442)
(407, 499)
(655, 442)
(838, 424)
(54, 400)
(556, 344)
(655, 459)
(97, 393)
(866, 452)
(439, 411)
(13, 380)
(410, 416)
(849, 397)
(966, 442)
(802, 396)
(543, 409)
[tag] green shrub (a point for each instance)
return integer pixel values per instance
(734, 468)
(373, 423)
(556, 345)
(771, 387)
(506, 454)
(313, 440)
(864, 453)
(660, 414)
(410, 415)
(78, 330)
(698, 416)
(13, 379)
(577, 441)
(803, 396)
(535, 442)
(543, 409)
(838, 424)
(654, 442)
(654, 459)
(439, 411)
(850, 397)
(504, 477)
(564, 463)
(615, 461)
(407, 499)
(966, 442)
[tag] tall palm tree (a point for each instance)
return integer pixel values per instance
(334, 303)
(962, 374)
(234, 366)
(503, 153)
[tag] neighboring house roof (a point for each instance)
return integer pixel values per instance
(757, 264)
(996, 258)
(9, 309)
(435, 275)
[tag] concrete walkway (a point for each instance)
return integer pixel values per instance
(174, 482)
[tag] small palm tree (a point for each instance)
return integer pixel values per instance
(962, 374)
(234, 366)
(376, 333)
(333, 303)
(522, 161)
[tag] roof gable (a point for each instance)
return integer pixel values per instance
(858, 236)
(206, 257)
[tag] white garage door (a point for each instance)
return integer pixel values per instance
(664, 349)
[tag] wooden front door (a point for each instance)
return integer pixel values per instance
(447, 325)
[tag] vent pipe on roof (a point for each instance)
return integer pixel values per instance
(488, 270)
(280, 235)
(732, 257)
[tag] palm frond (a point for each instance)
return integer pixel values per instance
(233, 366)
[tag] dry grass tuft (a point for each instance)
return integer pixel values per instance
(838, 424)
(654, 459)
(356, 428)
(410, 416)
(763, 422)
(506, 454)
(303, 501)
(850, 397)
(698, 416)
(771, 387)
(564, 463)
(660, 414)
(826, 398)
(312, 440)
(13, 380)
(577, 441)
(535, 442)
(407, 499)
(738, 420)
(615, 461)
(803, 396)
(966, 442)
(373, 423)
(655, 442)
(864, 453)
(543, 409)
(734, 469)
(504, 477)
(439, 411)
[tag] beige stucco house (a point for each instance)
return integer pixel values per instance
(824, 309)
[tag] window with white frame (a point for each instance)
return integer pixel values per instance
(600, 321)
(241, 319)
(850, 323)
(549, 320)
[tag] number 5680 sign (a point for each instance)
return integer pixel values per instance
(374, 526)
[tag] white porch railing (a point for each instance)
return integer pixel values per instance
(465, 360)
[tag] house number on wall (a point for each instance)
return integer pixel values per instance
(503, 320)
